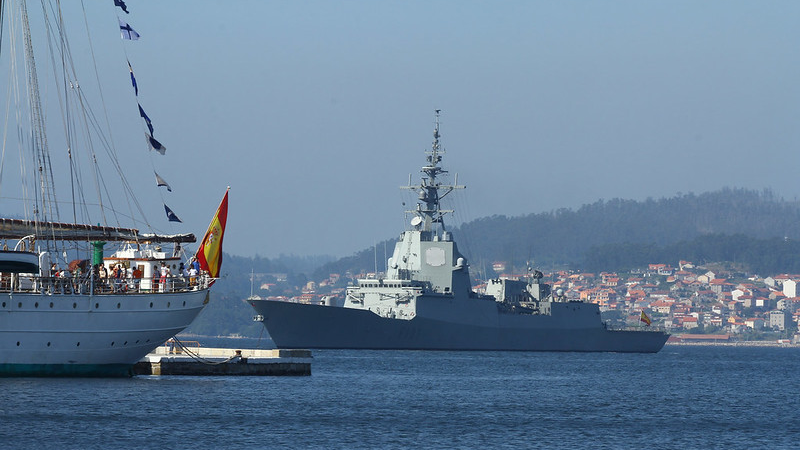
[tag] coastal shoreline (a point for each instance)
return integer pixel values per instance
(688, 344)
(735, 344)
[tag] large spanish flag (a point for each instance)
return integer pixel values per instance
(645, 319)
(209, 255)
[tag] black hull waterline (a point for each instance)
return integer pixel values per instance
(294, 325)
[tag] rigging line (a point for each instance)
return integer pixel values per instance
(102, 184)
(14, 72)
(78, 192)
(153, 167)
(92, 156)
(45, 165)
(14, 88)
(9, 94)
(14, 85)
(87, 204)
(135, 200)
(115, 162)
(48, 195)
(89, 118)
(76, 188)
(160, 191)
(75, 176)
(69, 72)
(75, 179)
(63, 102)
(37, 135)
(128, 190)
(102, 99)
(71, 121)
(52, 202)
(39, 129)
(23, 141)
(2, 27)
(57, 13)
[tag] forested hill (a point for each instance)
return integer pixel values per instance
(565, 236)
(756, 230)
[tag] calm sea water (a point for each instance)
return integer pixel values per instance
(682, 397)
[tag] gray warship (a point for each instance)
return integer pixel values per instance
(425, 300)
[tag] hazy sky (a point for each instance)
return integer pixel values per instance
(315, 112)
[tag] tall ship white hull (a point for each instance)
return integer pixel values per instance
(82, 291)
(425, 301)
(82, 335)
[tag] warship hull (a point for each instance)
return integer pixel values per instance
(294, 325)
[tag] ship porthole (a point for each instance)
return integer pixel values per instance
(74, 305)
(48, 344)
(184, 303)
(4, 304)
(125, 343)
(17, 343)
(51, 304)
(112, 343)
(151, 304)
(119, 305)
(168, 304)
(19, 305)
(96, 305)
(36, 305)
(137, 341)
(78, 345)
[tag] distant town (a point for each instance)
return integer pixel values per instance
(708, 303)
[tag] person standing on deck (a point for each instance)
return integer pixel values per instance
(192, 275)
(163, 280)
(137, 276)
(102, 275)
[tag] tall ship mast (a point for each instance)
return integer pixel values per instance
(88, 284)
(425, 300)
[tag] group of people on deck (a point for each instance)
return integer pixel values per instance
(119, 278)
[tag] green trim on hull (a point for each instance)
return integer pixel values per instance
(66, 370)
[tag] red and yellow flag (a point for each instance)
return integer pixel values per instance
(209, 255)
(645, 319)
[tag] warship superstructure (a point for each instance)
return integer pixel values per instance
(425, 300)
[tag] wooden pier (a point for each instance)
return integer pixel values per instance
(168, 360)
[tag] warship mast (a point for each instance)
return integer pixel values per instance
(429, 211)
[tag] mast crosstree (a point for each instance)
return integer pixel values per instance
(430, 191)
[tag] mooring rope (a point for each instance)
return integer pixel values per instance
(199, 358)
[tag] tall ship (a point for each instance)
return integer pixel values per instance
(81, 292)
(425, 300)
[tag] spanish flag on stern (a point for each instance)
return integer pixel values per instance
(645, 319)
(209, 255)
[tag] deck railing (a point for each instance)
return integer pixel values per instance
(84, 284)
